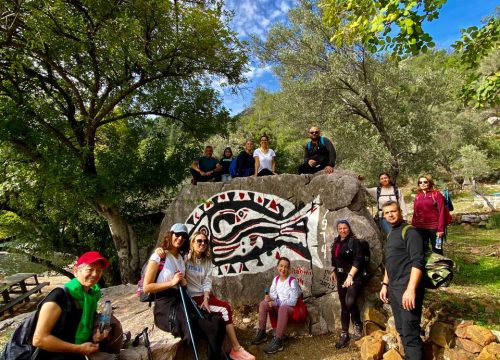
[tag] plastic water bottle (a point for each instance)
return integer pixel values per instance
(105, 318)
(439, 243)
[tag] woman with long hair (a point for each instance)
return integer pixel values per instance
(429, 213)
(225, 163)
(347, 260)
(199, 283)
(384, 192)
(264, 158)
(168, 310)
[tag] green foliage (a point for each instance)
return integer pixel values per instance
(493, 221)
(479, 49)
(103, 105)
(472, 162)
(380, 114)
(387, 25)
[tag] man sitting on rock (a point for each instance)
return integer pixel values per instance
(206, 168)
(319, 154)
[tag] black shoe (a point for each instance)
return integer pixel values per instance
(274, 346)
(260, 337)
(358, 331)
(343, 340)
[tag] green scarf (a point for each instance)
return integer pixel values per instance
(88, 304)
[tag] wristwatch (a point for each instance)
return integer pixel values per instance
(383, 283)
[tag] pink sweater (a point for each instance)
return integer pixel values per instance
(428, 211)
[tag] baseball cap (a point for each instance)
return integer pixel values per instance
(179, 228)
(91, 257)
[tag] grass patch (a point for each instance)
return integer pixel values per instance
(474, 291)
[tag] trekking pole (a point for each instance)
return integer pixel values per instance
(147, 343)
(198, 311)
(186, 313)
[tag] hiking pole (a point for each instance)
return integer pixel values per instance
(147, 343)
(186, 313)
(198, 311)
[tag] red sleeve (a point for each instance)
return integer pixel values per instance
(440, 207)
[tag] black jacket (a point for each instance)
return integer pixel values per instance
(403, 254)
(324, 153)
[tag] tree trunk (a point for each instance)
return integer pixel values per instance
(125, 241)
(490, 205)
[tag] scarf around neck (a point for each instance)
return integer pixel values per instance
(88, 303)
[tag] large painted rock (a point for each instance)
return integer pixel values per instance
(253, 221)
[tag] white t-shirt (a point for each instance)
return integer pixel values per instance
(265, 160)
(387, 194)
(172, 265)
(285, 292)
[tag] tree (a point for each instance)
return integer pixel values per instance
(75, 75)
(382, 25)
(480, 50)
(371, 104)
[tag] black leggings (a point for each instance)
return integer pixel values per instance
(169, 316)
(429, 237)
(348, 297)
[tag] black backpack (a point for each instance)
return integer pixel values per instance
(365, 250)
(20, 345)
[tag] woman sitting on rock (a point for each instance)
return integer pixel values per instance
(168, 310)
(65, 328)
(347, 258)
(199, 283)
(278, 304)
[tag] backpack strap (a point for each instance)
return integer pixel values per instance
(321, 142)
(276, 280)
(379, 190)
(396, 192)
(290, 279)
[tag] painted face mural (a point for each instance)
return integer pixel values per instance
(250, 230)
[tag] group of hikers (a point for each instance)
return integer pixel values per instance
(319, 155)
(66, 326)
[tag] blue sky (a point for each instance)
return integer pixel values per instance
(258, 16)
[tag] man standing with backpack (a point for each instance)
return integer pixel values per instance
(319, 154)
(402, 286)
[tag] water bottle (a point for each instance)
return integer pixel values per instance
(439, 243)
(105, 318)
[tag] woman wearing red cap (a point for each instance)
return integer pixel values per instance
(65, 326)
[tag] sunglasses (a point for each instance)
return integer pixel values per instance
(184, 235)
(314, 132)
(199, 241)
(423, 182)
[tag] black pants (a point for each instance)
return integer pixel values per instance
(408, 322)
(348, 296)
(204, 178)
(306, 169)
(169, 316)
(265, 172)
(429, 237)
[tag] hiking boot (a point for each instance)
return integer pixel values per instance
(241, 354)
(260, 337)
(358, 331)
(343, 340)
(275, 345)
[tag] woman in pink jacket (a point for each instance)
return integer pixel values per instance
(429, 213)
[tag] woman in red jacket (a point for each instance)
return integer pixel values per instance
(429, 213)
